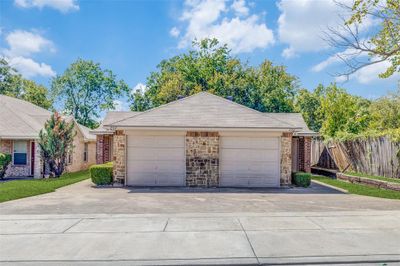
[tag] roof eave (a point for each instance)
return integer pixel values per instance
(281, 129)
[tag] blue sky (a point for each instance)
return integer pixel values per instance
(42, 37)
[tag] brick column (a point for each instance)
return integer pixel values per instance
(286, 158)
(119, 156)
(202, 159)
(99, 149)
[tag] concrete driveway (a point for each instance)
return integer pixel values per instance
(83, 225)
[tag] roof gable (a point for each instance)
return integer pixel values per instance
(202, 110)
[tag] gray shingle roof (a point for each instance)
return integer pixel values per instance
(21, 119)
(203, 110)
(295, 119)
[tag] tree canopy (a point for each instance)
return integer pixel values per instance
(85, 89)
(14, 85)
(210, 67)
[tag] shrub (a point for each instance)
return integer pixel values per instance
(5, 160)
(302, 179)
(101, 174)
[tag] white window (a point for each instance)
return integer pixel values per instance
(85, 153)
(20, 152)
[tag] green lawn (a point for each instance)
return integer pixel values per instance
(359, 189)
(17, 189)
(377, 177)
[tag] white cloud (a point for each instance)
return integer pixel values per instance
(29, 68)
(174, 32)
(239, 6)
(22, 45)
(139, 87)
(210, 19)
(302, 23)
(120, 105)
(61, 5)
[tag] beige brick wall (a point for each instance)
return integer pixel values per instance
(78, 162)
(286, 158)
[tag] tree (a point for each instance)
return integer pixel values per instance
(14, 85)
(381, 45)
(56, 141)
(309, 105)
(343, 112)
(86, 89)
(210, 67)
(385, 112)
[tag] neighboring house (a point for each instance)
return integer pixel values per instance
(20, 124)
(204, 140)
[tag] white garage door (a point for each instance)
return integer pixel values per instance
(249, 162)
(156, 161)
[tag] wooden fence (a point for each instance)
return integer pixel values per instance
(374, 156)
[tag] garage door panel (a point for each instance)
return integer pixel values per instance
(161, 154)
(156, 141)
(156, 160)
(250, 143)
(240, 155)
(249, 162)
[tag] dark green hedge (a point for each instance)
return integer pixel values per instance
(101, 174)
(5, 160)
(302, 179)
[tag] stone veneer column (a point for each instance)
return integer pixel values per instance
(119, 156)
(202, 159)
(38, 166)
(286, 158)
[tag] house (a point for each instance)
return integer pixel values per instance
(20, 124)
(204, 140)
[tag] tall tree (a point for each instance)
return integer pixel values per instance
(210, 67)
(382, 44)
(343, 112)
(309, 105)
(14, 85)
(385, 112)
(56, 141)
(85, 89)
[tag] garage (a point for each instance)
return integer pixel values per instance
(155, 160)
(249, 162)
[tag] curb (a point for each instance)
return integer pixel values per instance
(330, 186)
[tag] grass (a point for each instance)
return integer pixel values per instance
(359, 189)
(18, 189)
(377, 177)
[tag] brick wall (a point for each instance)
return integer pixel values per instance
(103, 148)
(286, 158)
(304, 154)
(202, 159)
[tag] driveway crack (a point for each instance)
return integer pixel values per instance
(72, 225)
(248, 240)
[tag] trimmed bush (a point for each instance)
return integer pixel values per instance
(5, 160)
(101, 174)
(301, 179)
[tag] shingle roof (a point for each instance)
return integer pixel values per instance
(111, 117)
(295, 119)
(203, 110)
(21, 119)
